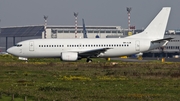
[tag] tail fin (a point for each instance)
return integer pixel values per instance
(156, 29)
(84, 30)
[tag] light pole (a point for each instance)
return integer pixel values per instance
(129, 18)
(75, 15)
(45, 25)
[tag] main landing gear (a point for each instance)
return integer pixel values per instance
(89, 60)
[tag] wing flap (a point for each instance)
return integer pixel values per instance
(93, 53)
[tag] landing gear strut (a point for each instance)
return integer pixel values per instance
(89, 60)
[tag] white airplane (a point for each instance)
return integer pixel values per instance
(74, 49)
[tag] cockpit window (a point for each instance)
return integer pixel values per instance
(18, 45)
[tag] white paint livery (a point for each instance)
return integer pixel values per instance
(74, 49)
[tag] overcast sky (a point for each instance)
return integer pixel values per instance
(95, 12)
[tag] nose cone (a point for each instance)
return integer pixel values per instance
(10, 50)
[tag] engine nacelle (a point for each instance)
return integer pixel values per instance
(69, 56)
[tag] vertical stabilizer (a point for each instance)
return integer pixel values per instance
(156, 29)
(84, 30)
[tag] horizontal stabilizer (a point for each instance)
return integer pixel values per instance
(165, 39)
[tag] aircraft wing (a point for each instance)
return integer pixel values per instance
(93, 53)
(165, 39)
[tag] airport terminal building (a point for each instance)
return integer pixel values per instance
(92, 32)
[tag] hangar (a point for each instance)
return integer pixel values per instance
(9, 36)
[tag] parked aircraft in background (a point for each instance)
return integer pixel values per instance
(84, 30)
(73, 49)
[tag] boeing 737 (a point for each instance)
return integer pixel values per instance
(74, 49)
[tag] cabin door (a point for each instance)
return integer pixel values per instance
(137, 46)
(31, 46)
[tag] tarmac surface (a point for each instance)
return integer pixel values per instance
(147, 59)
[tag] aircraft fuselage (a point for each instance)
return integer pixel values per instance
(54, 47)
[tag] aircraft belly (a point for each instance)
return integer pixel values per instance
(118, 52)
(42, 54)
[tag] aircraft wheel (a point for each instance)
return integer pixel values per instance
(89, 60)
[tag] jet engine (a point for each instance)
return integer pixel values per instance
(69, 56)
